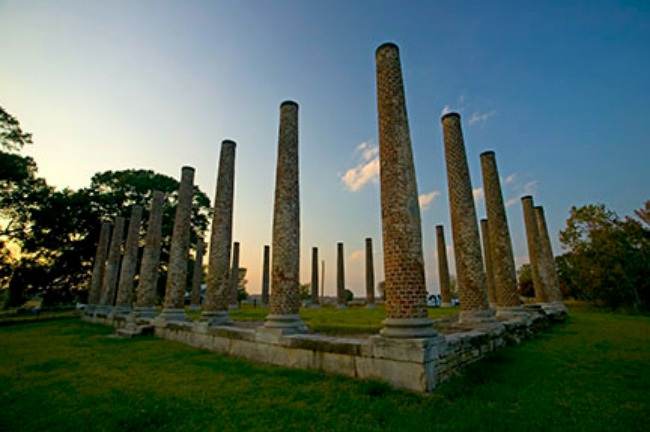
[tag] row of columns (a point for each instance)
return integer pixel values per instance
(405, 291)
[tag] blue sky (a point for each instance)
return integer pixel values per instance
(558, 89)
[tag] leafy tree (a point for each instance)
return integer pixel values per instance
(349, 295)
(12, 137)
(525, 281)
(608, 258)
(241, 285)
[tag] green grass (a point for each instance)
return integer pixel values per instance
(590, 374)
(329, 320)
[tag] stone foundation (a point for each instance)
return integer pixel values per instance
(413, 364)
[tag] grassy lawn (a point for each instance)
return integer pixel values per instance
(329, 320)
(591, 374)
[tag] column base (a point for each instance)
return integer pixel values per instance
(407, 328)
(285, 324)
(215, 318)
(171, 314)
(478, 316)
(144, 312)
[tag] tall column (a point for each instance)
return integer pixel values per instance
(501, 256)
(489, 266)
(215, 307)
(322, 280)
(405, 289)
(95, 288)
(464, 227)
(174, 307)
(341, 301)
(265, 274)
(370, 275)
(534, 249)
(124, 301)
(547, 261)
(285, 274)
(314, 276)
(443, 268)
(197, 275)
(146, 292)
(234, 277)
(109, 284)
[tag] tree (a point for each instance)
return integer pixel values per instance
(12, 137)
(608, 259)
(525, 281)
(241, 285)
(349, 295)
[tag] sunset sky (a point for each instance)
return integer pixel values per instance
(559, 90)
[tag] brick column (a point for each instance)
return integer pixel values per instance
(197, 275)
(547, 261)
(370, 275)
(174, 307)
(534, 249)
(109, 283)
(501, 256)
(404, 286)
(265, 274)
(124, 301)
(146, 292)
(234, 277)
(443, 268)
(99, 265)
(489, 269)
(314, 276)
(285, 294)
(464, 227)
(341, 301)
(215, 307)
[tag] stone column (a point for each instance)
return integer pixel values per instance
(547, 262)
(314, 277)
(341, 301)
(322, 280)
(234, 278)
(265, 274)
(370, 275)
(464, 227)
(285, 294)
(489, 269)
(197, 275)
(404, 286)
(174, 307)
(124, 301)
(95, 288)
(501, 256)
(534, 249)
(215, 307)
(109, 284)
(443, 268)
(146, 292)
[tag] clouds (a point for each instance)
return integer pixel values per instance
(480, 118)
(426, 199)
(477, 193)
(366, 171)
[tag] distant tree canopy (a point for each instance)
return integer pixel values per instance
(525, 281)
(54, 232)
(608, 258)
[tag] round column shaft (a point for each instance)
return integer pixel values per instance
(234, 277)
(370, 275)
(341, 301)
(443, 268)
(285, 265)
(534, 249)
(404, 287)
(109, 284)
(215, 308)
(265, 274)
(467, 243)
(489, 269)
(99, 265)
(314, 276)
(547, 261)
(129, 263)
(197, 275)
(146, 292)
(174, 307)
